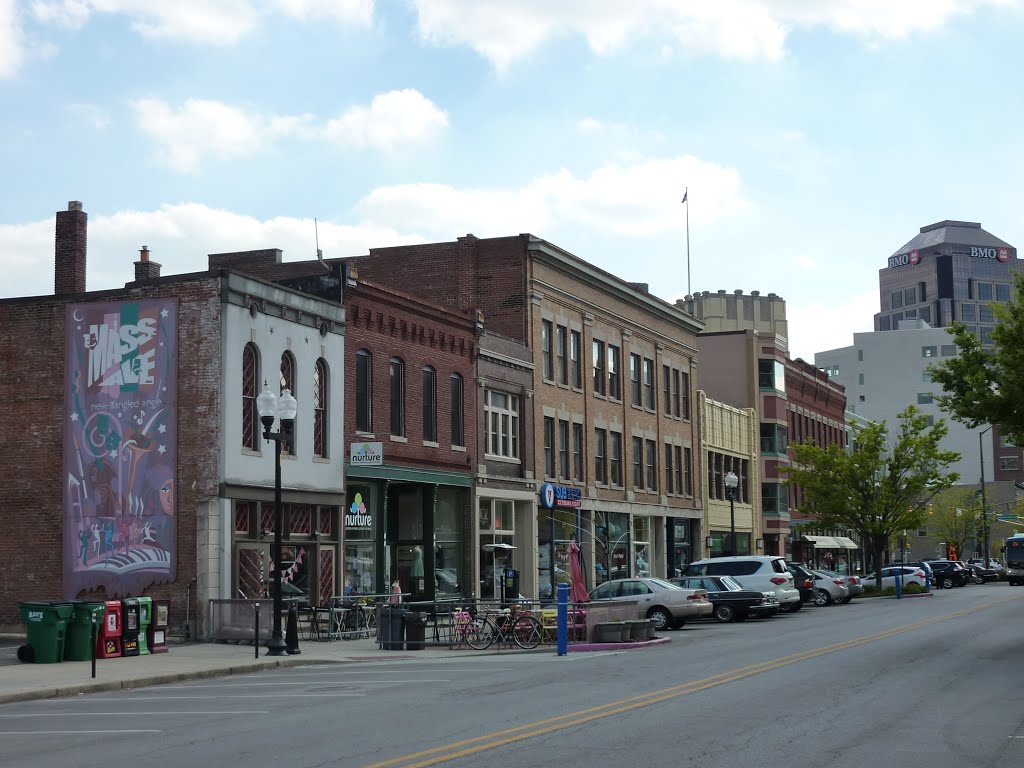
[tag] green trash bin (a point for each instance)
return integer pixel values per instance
(47, 626)
(79, 639)
(145, 618)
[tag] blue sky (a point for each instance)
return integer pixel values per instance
(815, 137)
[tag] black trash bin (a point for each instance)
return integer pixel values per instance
(415, 630)
(393, 628)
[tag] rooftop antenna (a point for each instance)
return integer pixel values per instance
(319, 253)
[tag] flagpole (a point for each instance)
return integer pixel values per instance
(686, 199)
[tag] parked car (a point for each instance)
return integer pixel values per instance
(853, 583)
(910, 574)
(829, 589)
(981, 575)
(947, 574)
(765, 573)
(730, 601)
(803, 580)
(669, 605)
(993, 563)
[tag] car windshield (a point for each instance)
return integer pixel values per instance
(729, 584)
(662, 584)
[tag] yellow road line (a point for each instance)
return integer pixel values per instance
(519, 733)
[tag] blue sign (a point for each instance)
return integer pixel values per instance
(560, 496)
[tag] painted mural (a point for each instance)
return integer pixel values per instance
(120, 446)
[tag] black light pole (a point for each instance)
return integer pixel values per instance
(984, 505)
(283, 408)
(731, 481)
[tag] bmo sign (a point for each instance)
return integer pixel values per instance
(999, 254)
(902, 259)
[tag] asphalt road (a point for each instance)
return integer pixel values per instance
(919, 683)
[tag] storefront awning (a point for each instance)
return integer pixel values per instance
(822, 542)
(845, 543)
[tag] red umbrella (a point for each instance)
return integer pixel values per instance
(577, 588)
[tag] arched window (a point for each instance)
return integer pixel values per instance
(364, 391)
(397, 376)
(458, 418)
(429, 405)
(250, 389)
(320, 383)
(288, 382)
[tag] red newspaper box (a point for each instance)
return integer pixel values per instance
(158, 627)
(108, 638)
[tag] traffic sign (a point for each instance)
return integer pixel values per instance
(1007, 518)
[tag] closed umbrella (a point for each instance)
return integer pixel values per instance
(577, 587)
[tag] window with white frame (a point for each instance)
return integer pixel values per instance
(501, 420)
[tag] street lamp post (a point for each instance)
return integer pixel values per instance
(270, 406)
(984, 504)
(731, 481)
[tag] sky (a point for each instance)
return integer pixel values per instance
(812, 139)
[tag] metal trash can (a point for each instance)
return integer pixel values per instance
(415, 630)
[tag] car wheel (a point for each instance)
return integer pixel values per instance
(846, 600)
(979, 579)
(662, 618)
(821, 597)
(724, 613)
(947, 583)
(792, 607)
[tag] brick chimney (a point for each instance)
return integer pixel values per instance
(69, 250)
(144, 268)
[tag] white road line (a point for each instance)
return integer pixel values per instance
(346, 672)
(119, 714)
(299, 682)
(238, 696)
(68, 733)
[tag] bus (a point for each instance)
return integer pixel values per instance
(1013, 555)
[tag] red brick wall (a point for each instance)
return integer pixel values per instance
(32, 401)
(70, 250)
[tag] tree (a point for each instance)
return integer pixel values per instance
(986, 385)
(956, 518)
(877, 488)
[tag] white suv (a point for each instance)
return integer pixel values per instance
(765, 574)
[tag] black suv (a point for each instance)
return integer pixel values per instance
(948, 573)
(803, 580)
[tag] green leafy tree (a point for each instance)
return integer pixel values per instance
(986, 385)
(881, 486)
(955, 517)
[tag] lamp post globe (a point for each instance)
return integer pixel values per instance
(283, 409)
(731, 481)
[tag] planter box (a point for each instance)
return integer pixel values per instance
(609, 632)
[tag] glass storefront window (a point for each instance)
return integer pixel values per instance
(448, 543)
(641, 546)
(361, 525)
(555, 527)
(611, 546)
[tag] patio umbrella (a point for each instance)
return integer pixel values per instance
(577, 588)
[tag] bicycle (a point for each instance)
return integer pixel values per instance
(512, 626)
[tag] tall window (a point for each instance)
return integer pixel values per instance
(652, 465)
(320, 408)
(397, 376)
(501, 424)
(684, 395)
(576, 358)
(288, 382)
(600, 456)
(562, 354)
(670, 486)
(614, 375)
(634, 379)
(638, 463)
(429, 405)
(364, 391)
(615, 457)
(648, 384)
(599, 378)
(577, 452)
(682, 485)
(666, 395)
(546, 351)
(549, 446)
(458, 411)
(563, 449)
(250, 389)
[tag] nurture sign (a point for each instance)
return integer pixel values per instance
(366, 454)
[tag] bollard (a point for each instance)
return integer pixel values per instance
(93, 644)
(291, 632)
(899, 580)
(563, 619)
(256, 633)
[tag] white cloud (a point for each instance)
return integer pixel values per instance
(201, 127)
(393, 118)
(10, 39)
(346, 11)
(71, 14)
(96, 116)
(741, 29)
(639, 200)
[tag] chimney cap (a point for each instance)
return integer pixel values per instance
(74, 205)
(144, 253)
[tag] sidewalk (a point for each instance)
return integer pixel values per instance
(190, 661)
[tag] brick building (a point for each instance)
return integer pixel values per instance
(612, 410)
(143, 458)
